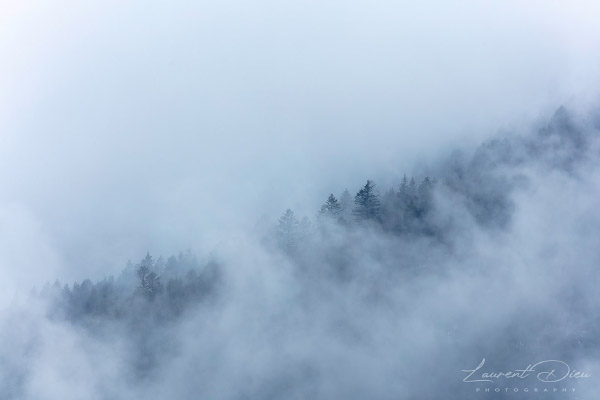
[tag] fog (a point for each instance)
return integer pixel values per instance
(136, 127)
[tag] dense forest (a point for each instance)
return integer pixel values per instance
(375, 252)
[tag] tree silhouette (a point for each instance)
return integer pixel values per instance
(366, 203)
(346, 205)
(150, 284)
(287, 231)
(331, 210)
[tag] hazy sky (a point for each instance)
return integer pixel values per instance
(128, 126)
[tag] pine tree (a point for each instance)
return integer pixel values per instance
(154, 286)
(287, 230)
(403, 191)
(331, 209)
(410, 205)
(150, 284)
(148, 261)
(346, 205)
(425, 196)
(412, 189)
(159, 264)
(366, 203)
(389, 209)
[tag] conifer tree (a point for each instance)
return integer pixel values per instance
(150, 284)
(287, 230)
(366, 203)
(403, 192)
(424, 196)
(346, 205)
(331, 209)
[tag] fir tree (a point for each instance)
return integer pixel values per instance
(150, 284)
(346, 205)
(403, 192)
(425, 196)
(287, 230)
(366, 203)
(331, 209)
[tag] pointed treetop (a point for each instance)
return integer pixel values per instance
(331, 209)
(366, 202)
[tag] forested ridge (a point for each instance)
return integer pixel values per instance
(172, 284)
(370, 253)
(483, 182)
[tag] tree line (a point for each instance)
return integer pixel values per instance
(161, 288)
(400, 211)
(171, 285)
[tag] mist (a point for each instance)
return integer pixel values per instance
(188, 129)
